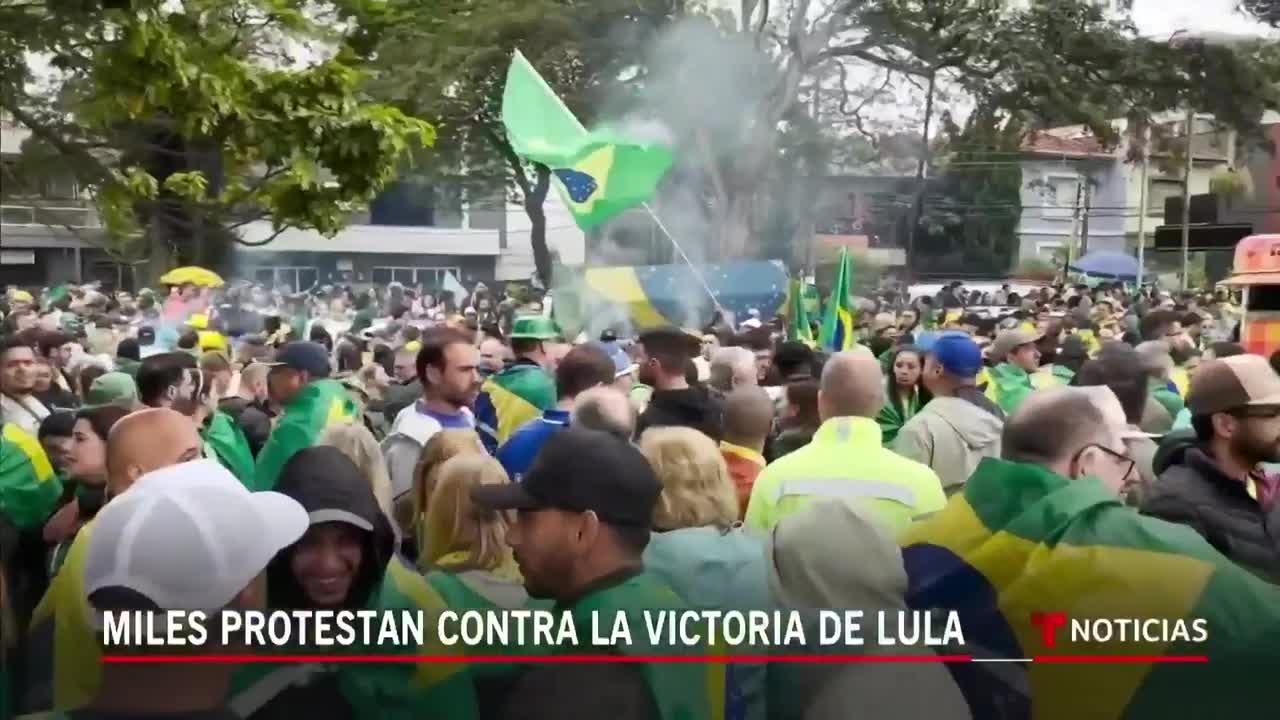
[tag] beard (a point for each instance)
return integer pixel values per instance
(1253, 447)
(462, 398)
(646, 375)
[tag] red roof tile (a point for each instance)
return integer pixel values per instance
(1053, 143)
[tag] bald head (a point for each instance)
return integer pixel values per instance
(732, 367)
(604, 408)
(145, 441)
(852, 385)
(1051, 425)
(748, 417)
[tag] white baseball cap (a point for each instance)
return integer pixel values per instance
(191, 540)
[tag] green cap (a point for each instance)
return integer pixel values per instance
(113, 388)
(534, 327)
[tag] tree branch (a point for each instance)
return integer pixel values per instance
(258, 243)
(504, 148)
(97, 169)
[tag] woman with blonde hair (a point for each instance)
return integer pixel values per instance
(462, 537)
(464, 552)
(356, 442)
(698, 547)
(411, 506)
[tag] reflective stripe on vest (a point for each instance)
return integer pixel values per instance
(845, 488)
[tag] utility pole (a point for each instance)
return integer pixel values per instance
(1075, 228)
(1186, 195)
(917, 206)
(1084, 218)
(1142, 202)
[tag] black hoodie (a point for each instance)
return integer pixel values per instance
(325, 480)
(1192, 490)
(689, 407)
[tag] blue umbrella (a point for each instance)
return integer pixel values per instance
(1107, 264)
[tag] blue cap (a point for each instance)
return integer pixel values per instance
(621, 362)
(954, 350)
(308, 357)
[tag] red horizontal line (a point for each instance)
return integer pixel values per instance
(532, 658)
(1121, 658)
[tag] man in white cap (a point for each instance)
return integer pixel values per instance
(196, 541)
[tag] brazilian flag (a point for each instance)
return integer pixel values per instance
(1022, 544)
(598, 173)
(798, 314)
(226, 441)
(837, 322)
(511, 398)
(28, 486)
(318, 405)
(421, 687)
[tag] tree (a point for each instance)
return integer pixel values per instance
(1036, 65)
(971, 221)
(448, 61)
(187, 120)
(1267, 11)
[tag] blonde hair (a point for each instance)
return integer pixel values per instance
(442, 446)
(356, 442)
(454, 524)
(696, 488)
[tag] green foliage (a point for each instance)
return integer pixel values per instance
(973, 208)
(447, 61)
(185, 119)
(1231, 184)
(1268, 11)
(1061, 62)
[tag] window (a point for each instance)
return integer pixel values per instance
(289, 279)
(1158, 192)
(431, 278)
(1047, 250)
(1060, 195)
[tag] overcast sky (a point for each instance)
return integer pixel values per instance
(1164, 17)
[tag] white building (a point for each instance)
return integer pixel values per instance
(50, 232)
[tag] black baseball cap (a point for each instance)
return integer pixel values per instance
(308, 357)
(577, 470)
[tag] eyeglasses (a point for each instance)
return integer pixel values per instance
(1123, 460)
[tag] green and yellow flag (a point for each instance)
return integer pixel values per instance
(837, 321)
(406, 690)
(1022, 544)
(317, 406)
(28, 486)
(510, 399)
(798, 314)
(598, 173)
(229, 447)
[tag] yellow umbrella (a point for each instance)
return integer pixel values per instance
(192, 275)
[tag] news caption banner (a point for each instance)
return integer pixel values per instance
(247, 636)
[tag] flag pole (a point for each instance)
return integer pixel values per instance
(696, 273)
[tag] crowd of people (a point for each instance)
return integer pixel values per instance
(249, 448)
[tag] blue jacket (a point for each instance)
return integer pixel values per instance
(517, 453)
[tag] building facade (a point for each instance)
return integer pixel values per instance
(411, 233)
(1071, 188)
(1063, 168)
